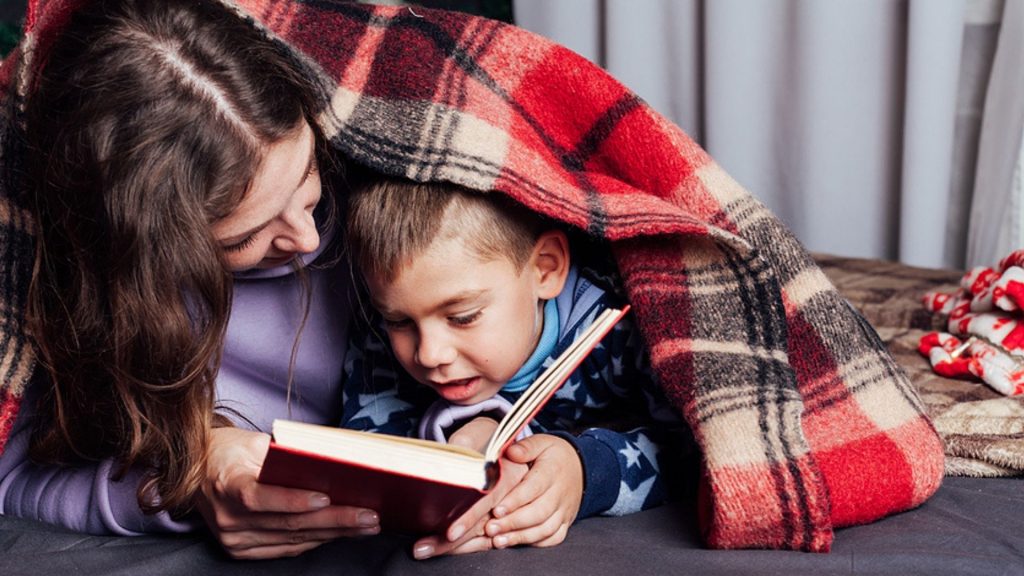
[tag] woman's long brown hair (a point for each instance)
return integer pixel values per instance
(147, 124)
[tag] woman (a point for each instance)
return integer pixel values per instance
(186, 288)
(176, 177)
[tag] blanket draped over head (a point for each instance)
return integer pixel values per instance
(804, 421)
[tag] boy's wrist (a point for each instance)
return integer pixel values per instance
(601, 474)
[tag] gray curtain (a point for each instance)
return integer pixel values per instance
(858, 123)
(997, 210)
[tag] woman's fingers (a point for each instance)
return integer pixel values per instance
(331, 518)
(259, 497)
(245, 543)
(272, 551)
(265, 534)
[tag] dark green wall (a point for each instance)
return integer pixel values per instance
(11, 14)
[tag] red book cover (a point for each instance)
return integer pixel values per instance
(405, 504)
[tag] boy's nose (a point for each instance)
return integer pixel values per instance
(433, 352)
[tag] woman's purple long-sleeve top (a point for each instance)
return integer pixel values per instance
(251, 390)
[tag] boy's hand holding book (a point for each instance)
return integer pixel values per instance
(545, 487)
(475, 433)
(467, 534)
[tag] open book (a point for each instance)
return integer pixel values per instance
(417, 486)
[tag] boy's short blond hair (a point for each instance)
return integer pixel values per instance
(392, 221)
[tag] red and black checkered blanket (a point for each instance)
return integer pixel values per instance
(804, 420)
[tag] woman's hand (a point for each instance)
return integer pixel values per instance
(540, 509)
(253, 520)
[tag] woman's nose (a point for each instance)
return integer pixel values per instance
(299, 234)
(299, 238)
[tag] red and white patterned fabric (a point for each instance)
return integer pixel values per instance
(985, 338)
(804, 420)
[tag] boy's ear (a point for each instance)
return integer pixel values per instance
(550, 261)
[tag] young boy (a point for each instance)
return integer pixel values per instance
(476, 296)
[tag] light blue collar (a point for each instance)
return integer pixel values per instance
(548, 338)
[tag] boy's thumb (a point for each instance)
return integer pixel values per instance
(525, 451)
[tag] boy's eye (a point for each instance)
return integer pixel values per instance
(394, 324)
(465, 319)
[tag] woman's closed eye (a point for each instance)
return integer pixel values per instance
(242, 245)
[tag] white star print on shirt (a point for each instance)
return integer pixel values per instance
(377, 409)
(631, 500)
(632, 454)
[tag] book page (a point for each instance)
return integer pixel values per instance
(538, 393)
(409, 456)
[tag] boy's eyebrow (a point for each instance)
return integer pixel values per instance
(454, 300)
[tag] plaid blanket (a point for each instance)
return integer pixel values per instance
(804, 420)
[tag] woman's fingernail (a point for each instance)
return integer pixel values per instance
(499, 512)
(367, 519)
(492, 528)
(423, 551)
(318, 501)
(500, 541)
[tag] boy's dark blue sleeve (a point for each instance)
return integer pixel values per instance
(622, 470)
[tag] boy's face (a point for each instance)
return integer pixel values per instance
(461, 324)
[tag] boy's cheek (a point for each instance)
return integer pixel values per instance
(403, 352)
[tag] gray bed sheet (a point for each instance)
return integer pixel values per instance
(971, 526)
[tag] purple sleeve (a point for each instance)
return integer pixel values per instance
(81, 498)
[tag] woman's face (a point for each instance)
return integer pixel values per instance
(274, 221)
